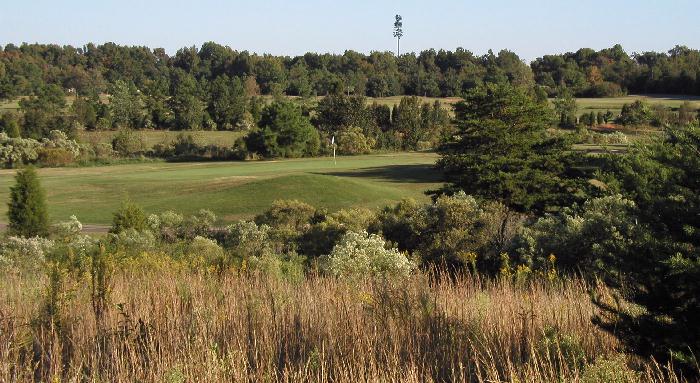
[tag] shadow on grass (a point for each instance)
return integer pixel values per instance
(420, 173)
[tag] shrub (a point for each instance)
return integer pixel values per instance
(284, 132)
(55, 157)
(18, 151)
(132, 241)
(562, 348)
(364, 255)
(324, 234)
(583, 239)
(167, 225)
(206, 252)
(59, 140)
(128, 142)
(26, 254)
(129, 216)
(288, 267)
(246, 239)
(199, 224)
(289, 219)
(68, 229)
(444, 232)
(353, 141)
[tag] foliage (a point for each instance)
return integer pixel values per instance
(565, 106)
(327, 229)
(26, 254)
(22, 151)
(288, 219)
(9, 124)
(503, 152)
(661, 272)
(129, 216)
(126, 105)
(637, 113)
(284, 132)
(613, 370)
(27, 210)
(362, 255)
(588, 240)
(352, 141)
(454, 231)
(128, 142)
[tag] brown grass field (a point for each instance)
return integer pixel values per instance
(180, 326)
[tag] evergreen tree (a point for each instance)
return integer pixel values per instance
(503, 152)
(9, 123)
(28, 214)
(661, 271)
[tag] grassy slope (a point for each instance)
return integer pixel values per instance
(233, 190)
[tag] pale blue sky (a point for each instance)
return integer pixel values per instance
(530, 28)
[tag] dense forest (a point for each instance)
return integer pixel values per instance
(24, 70)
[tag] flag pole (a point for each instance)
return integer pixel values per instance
(333, 143)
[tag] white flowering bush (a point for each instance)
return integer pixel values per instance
(59, 140)
(134, 241)
(18, 151)
(24, 253)
(362, 254)
(66, 229)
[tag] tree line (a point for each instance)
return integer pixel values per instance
(92, 69)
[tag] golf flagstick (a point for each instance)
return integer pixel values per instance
(333, 143)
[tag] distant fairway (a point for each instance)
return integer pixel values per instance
(233, 190)
(614, 104)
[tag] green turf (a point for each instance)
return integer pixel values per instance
(233, 190)
(614, 104)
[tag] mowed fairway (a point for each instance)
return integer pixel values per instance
(614, 104)
(233, 190)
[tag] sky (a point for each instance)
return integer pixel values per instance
(529, 28)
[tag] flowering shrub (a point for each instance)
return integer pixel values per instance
(59, 140)
(18, 151)
(68, 228)
(24, 253)
(134, 241)
(362, 254)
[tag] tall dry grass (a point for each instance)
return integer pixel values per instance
(182, 327)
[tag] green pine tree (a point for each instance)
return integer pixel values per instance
(28, 213)
(504, 152)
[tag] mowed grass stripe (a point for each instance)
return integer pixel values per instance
(233, 190)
